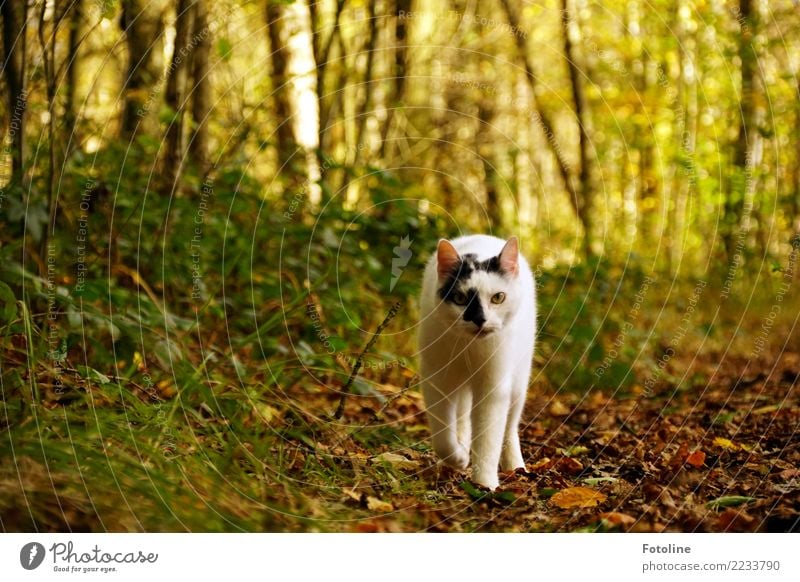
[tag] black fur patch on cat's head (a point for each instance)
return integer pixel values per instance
(474, 310)
(463, 270)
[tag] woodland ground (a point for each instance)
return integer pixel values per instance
(227, 442)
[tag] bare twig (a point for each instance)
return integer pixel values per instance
(359, 361)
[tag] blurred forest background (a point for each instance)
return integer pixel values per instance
(213, 219)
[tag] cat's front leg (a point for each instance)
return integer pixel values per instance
(490, 407)
(441, 409)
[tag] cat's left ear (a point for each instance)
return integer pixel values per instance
(509, 257)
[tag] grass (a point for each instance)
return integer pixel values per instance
(220, 439)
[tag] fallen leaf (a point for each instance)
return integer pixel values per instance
(375, 504)
(569, 466)
(696, 459)
(735, 519)
(767, 408)
(729, 445)
(395, 460)
(352, 494)
(598, 480)
(574, 451)
(573, 497)
(788, 474)
(477, 494)
(542, 464)
(617, 519)
(557, 408)
(680, 456)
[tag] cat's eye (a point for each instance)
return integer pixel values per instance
(459, 298)
(498, 298)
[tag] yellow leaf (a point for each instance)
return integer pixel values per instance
(557, 408)
(767, 408)
(375, 504)
(577, 497)
(396, 460)
(726, 444)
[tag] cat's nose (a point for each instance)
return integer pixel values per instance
(479, 321)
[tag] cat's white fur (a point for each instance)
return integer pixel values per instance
(474, 385)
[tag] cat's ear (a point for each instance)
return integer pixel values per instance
(509, 257)
(447, 258)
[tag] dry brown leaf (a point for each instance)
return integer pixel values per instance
(618, 519)
(569, 465)
(375, 504)
(735, 520)
(680, 456)
(542, 464)
(696, 459)
(576, 497)
(788, 474)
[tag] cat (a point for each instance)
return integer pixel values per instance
(476, 340)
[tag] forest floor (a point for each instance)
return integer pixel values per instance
(717, 450)
(705, 458)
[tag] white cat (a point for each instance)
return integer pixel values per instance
(476, 338)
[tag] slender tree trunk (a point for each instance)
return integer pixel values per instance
(582, 116)
(365, 108)
(15, 23)
(176, 93)
(686, 173)
(71, 74)
(322, 57)
(542, 119)
(295, 88)
(739, 191)
(281, 105)
(490, 177)
(201, 92)
(401, 9)
(142, 25)
(796, 197)
(47, 42)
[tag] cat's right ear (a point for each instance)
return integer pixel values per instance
(447, 258)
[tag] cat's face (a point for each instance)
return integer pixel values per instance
(480, 296)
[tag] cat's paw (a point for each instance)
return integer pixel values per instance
(488, 479)
(512, 461)
(456, 457)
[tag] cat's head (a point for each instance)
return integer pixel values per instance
(481, 296)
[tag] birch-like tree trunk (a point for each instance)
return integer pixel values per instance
(295, 89)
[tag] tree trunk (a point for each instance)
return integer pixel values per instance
(143, 28)
(686, 173)
(47, 42)
(201, 92)
(365, 107)
(176, 93)
(584, 173)
(71, 74)
(295, 89)
(15, 22)
(322, 57)
(542, 119)
(739, 191)
(490, 178)
(402, 8)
